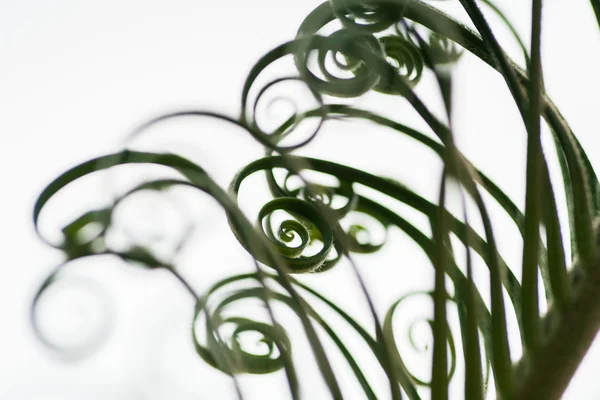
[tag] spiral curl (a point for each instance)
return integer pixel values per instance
(321, 195)
(441, 50)
(93, 339)
(375, 62)
(251, 118)
(407, 61)
(231, 357)
(367, 16)
(319, 220)
(310, 226)
(390, 337)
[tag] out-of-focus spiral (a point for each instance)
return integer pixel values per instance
(360, 235)
(441, 50)
(360, 239)
(357, 53)
(389, 336)
(86, 234)
(407, 62)
(368, 16)
(71, 315)
(165, 224)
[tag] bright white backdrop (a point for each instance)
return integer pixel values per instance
(76, 77)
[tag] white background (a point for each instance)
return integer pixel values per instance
(76, 77)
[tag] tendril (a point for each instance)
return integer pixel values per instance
(310, 227)
(214, 351)
(406, 60)
(318, 194)
(288, 125)
(442, 50)
(231, 357)
(87, 340)
(357, 49)
(389, 336)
